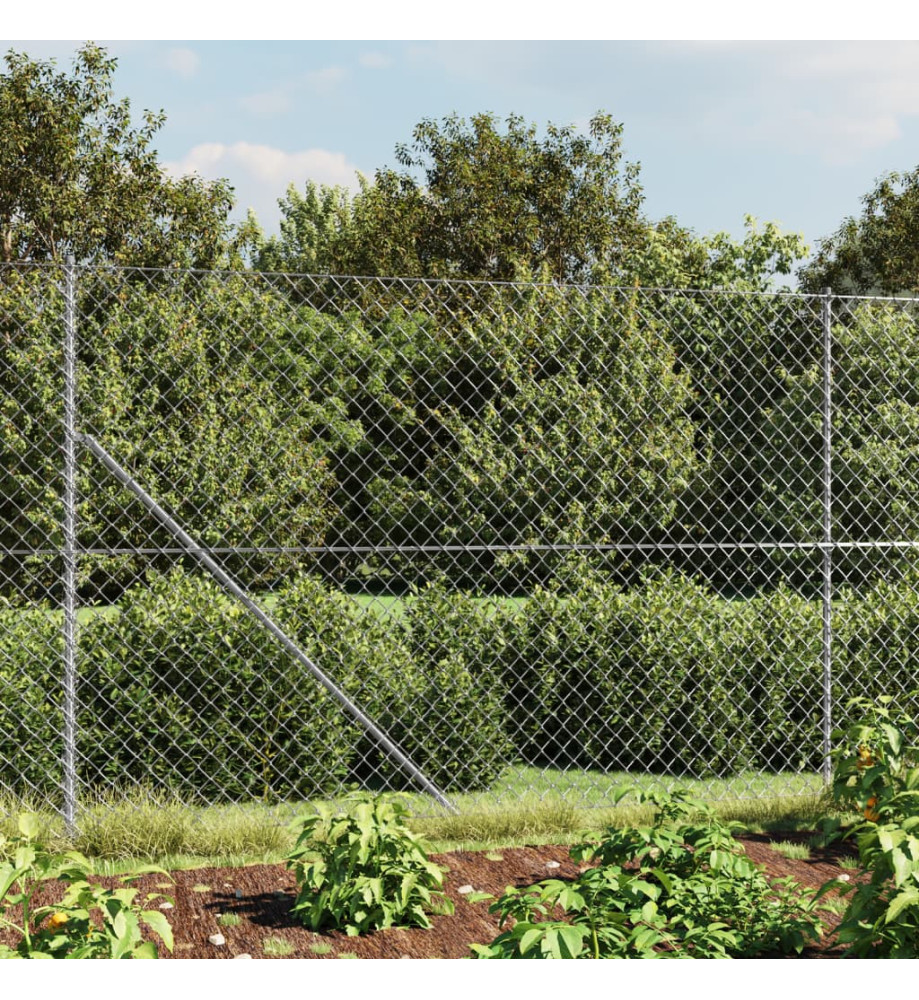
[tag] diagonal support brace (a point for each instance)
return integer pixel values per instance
(228, 584)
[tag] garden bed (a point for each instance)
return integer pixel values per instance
(250, 907)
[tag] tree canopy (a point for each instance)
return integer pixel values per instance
(473, 200)
(878, 253)
(77, 176)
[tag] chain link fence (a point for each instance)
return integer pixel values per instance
(265, 536)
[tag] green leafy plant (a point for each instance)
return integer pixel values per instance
(68, 929)
(876, 771)
(693, 894)
(361, 869)
(876, 761)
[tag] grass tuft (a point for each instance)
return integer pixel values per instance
(791, 850)
(277, 946)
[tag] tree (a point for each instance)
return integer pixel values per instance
(489, 204)
(877, 253)
(570, 428)
(317, 229)
(76, 176)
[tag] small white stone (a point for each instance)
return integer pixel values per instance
(217, 940)
(843, 878)
(465, 890)
(245, 954)
(166, 906)
(239, 894)
(553, 864)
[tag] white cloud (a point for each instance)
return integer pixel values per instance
(279, 100)
(836, 100)
(183, 62)
(261, 174)
(269, 102)
(374, 60)
(321, 81)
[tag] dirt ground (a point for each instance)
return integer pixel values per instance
(250, 907)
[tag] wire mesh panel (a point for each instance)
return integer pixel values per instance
(32, 746)
(484, 540)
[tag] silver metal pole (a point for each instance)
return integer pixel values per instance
(827, 536)
(227, 582)
(70, 544)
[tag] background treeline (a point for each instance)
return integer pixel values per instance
(506, 385)
(465, 429)
(270, 410)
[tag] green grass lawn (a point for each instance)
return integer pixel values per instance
(525, 806)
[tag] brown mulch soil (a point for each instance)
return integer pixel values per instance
(262, 897)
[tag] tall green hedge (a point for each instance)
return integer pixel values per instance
(180, 687)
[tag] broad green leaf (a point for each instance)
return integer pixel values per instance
(571, 940)
(29, 825)
(899, 903)
(157, 921)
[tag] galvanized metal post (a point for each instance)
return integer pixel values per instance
(827, 535)
(70, 544)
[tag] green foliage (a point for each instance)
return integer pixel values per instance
(674, 257)
(362, 869)
(453, 725)
(537, 430)
(877, 761)
(226, 402)
(693, 894)
(877, 771)
(875, 438)
(180, 686)
(68, 929)
(317, 233)
(77, 177)
(501, 204)
(876, 253)
(666, 676)
(183, 687)
(31, 719)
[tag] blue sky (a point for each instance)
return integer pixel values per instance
(792, 132)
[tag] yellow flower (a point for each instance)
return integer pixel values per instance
(57, 920)
(865, 757)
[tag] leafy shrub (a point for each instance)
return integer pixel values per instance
(550, 441)
(877, 771)
(227, 402)
(777, 679)
(693, 894)
(454, 725)
(183, 687)
(362, 869)
(877, 635)
(31, 720)
(427, 684)
(667, 676)
(67, 929)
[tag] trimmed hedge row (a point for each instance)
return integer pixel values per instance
(182, 688)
